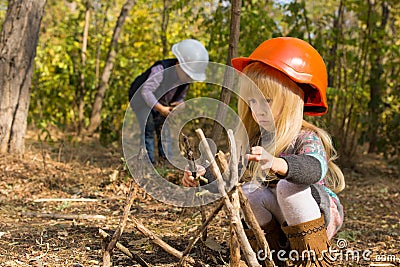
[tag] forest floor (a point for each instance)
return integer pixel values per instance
(72, 169)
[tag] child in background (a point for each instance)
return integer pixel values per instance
(299, 203)
(155, 92)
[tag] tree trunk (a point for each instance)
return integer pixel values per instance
(95, 118)
(225, 96)
(18, 43)
(375, 83)
(82, 77)
(164, 27)
(100, 44)
(337, 29)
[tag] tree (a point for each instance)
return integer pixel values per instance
(82, 86)
(375, 79)
(164, 27)
(225, 96)
(95, 118)
(19, 38)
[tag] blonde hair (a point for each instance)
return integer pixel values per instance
(287, 102)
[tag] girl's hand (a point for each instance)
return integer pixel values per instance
(188, 180)
(268, 161)
(260, 155)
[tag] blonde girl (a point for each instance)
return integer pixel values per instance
(296, 204)
(300, 205)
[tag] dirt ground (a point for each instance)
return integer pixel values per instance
(72, 169)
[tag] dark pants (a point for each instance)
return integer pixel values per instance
(150, 125)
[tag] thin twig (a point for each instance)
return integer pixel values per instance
(234, 177)
(192, 167)
(189, 154)
(252, 222)
(234, 243)
(244, 204)
(200, 230)
(124, 249)
(42, 153)
(120, 229)
(60, 151)
(234, 214)
(64, 216)
(65, 200)
(122, 223)
(158, 241)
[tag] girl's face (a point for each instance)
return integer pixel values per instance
(262, 112)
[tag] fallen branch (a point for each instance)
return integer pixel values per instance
(64, 216)
(140, 227)
(252, 222)
(203, 213)
(158, 241)
(200, 230)
(65, 200)
(234, 214)
(124, 249)
(192, 167)
(232, 166)
(234, 244)
(120, 229)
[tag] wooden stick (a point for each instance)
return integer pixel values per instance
(233, 174)
(106, 237)
(228, 82)
(156, 240)
(65, 200)
(64, 216)
(203, 213)
(146, 232)
(124, 217)
(200, 230)
(234, 214)
(120, 229)
(252, 221)
(192, 167)
(234, 245)
(233, 163)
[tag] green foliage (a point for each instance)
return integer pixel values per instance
(3, 11)
(349, 235)
(257, 24)
(349, 38)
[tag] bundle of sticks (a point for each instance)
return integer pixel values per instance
(234, 201)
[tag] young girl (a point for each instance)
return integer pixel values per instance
(298, 202)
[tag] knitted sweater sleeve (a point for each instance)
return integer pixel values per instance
(308, 164)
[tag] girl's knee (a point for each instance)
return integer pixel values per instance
(251, 194)
(257, 196)
(285, 188)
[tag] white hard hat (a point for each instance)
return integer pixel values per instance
(192, 57)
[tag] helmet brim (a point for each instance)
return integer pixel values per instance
(193, 75)
(240, 63)
(197, 76)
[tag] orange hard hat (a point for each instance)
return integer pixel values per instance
(298, 60)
